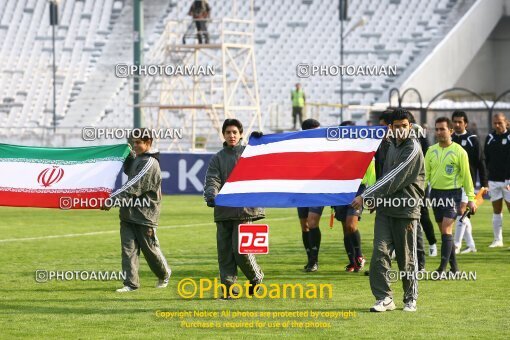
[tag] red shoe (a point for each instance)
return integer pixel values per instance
(350, 267)
(360, 264)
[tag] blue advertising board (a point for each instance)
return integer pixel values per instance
(182, 173)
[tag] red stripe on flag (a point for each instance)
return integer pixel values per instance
(336, 165)
(81, 200)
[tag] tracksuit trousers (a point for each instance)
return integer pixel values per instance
(135, 238)
(227, 238)
(399, 234)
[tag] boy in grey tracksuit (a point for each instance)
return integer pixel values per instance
(227, 218)
(402, 188)
(138, 222)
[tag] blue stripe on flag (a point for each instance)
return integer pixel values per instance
(283, 199)
(348, 131)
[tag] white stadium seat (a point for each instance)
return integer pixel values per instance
(94, 35)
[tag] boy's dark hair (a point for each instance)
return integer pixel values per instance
(461, 114)
(231, 122)
(347, 123)
(143, 134)
(445, 120)
(310, 123)
(401, 114)
(385, 116)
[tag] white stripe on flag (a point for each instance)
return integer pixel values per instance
(22, 175)
(295, 186)
(312, 145)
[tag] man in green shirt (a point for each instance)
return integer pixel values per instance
(447, 171)
(298, 102)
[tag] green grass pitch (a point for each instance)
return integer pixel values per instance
(44, 239)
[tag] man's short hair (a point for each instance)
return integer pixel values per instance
(446, 120)
(347, 123)
(460, 114)
(401, 114)
(499, 115)
(310, 123)
(231, 122)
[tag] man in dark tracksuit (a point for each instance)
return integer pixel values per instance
(396, 222)
(227, 218)
(425, 224)
(138, 222)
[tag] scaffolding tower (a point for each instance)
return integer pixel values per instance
(223, 84)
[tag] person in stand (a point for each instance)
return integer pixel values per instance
(298, 103)
(201, 12)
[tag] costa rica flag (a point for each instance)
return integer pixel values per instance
(308, 168)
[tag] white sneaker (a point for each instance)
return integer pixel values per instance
(433, 250)
(125, 289)
(410, 306)
(457, 250)
(163, 283)
(383, 305)
(496, 244)
(469, 250)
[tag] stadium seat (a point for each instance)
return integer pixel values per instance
(92, 36)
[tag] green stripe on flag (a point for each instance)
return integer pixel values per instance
(15, 153)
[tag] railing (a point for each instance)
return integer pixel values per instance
(224, 30)
(280, 114)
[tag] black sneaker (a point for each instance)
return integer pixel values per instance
(312, 268)
(227, 296)
(253, 288)
(452, 272)
(308, 260)
(438, 274)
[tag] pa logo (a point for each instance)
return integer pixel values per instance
(449, 169)
(253, 239)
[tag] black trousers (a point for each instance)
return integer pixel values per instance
(428, 227)
(202, 35)
(297, 112)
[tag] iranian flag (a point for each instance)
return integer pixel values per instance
(58, 177)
